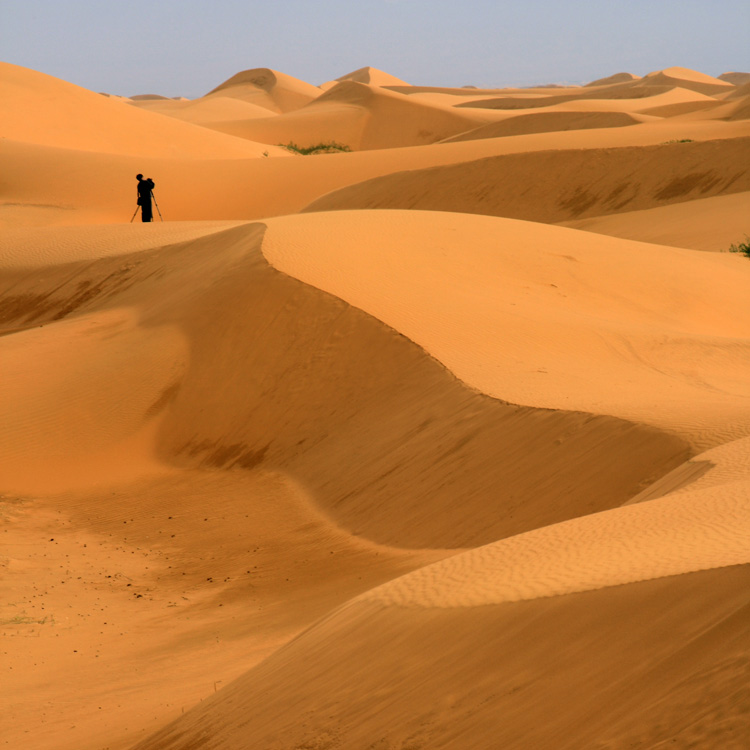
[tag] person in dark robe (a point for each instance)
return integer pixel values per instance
(144, 197)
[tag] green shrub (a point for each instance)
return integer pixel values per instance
(741, 247)
(319, 148)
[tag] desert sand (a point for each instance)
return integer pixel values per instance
(435, 437)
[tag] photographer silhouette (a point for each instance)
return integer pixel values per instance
(144, 197)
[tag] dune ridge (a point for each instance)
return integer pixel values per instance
(571, 305)
(267, 88)
(596, 182)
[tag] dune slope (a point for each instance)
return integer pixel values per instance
(225, 414)
(306, 380)
(701, 224)
(620, 668)
(574, 185)
(360, 116)
(545, 122)
(528, 312)
(487, 648)
(38, 109)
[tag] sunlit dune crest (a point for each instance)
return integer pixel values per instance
(372, 76)
(686, 78)
(419, 417)
(267, 88)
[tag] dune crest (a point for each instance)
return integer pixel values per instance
(267, 88)
(563, 292)
(686, 78)
(372, 76)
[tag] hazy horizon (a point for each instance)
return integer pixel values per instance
(186, 48)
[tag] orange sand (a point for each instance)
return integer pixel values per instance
(438, 442)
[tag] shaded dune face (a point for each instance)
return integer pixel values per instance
(390, 444)
(546, 122)
(648, 665)
(622, 91)
(553, 186)
(616, 78)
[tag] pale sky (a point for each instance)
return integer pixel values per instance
(187, 47)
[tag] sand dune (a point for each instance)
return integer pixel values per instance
(741, 91)
(615, 78)
(554, 332)
(360, 116)
(206, 111)
(671, 642)
(530, 605)
(321, 122)
(736, 79)
(686, 78)
(149, 97)
(157, 418)
(545, 122)
(729, 110)
(282, 471)
(586, 182)
(246, 428)
(373, 76)
(267, 88)
(238, 188)
(630, 96)
(701, 224)
(190, 189)
(736, 110)
(681, 108)
(39, 109)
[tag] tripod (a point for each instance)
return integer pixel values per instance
(155, 203)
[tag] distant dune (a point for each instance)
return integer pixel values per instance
(267, 88)
(43, 110)
(546, 122)
(736, 79)
(616, 78)
(372, 76)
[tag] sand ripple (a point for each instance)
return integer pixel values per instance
(688, 531)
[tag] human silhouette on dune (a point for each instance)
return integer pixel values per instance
(144, 197)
